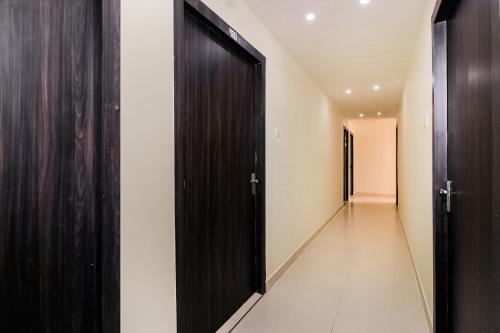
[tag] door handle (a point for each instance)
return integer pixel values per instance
(447, 193)
(254, 181)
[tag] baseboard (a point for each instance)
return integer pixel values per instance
(423, 299)
(286, 265)
(388, 195)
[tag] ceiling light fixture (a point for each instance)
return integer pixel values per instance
(379, 113)
(361, 115)
(348, 91)
(376, 87)
(364, 2)
(310, 17)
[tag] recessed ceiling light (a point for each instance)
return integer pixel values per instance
(348, 91)
(379, 113)
(310, 17)
(361, 115)
(376, 87)
(364, 2)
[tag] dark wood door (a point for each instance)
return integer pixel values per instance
(470, 157)
(216, 157)
(351, 166)
(59, 166)
(495, 123)
(397, 165)
(346, 165)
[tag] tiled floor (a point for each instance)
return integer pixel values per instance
(367, 198)
(356, 277)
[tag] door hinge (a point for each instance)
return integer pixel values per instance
(447, 194)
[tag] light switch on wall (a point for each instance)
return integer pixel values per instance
(427, 121)
(277, 132)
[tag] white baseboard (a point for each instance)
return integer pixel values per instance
(375, 194)
(286, 265)
(428, 314)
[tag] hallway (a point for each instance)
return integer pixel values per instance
(356, 276)
(250, 166)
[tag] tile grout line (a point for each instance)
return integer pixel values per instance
(340, 304)
(358, 244)
(245, 314)
(317, 233)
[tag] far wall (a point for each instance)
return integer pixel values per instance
(374, 155)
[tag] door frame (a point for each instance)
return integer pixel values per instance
(351, 164)
(211, 18)
(345, 144)
(110, 168)
(397, 164)
(442, 12)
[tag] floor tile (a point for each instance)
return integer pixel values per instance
(356, 277)
(280, 314)
(321, 290)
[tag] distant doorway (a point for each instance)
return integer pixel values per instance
(351, 164)
(397, 166)
(346, 164)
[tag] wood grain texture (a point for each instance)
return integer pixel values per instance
(495, 231)
(201, 9)
(219, 143)
(470, 166)
(260, 168)
(467, 103)
(440, 176)
(216, 253)
(346, 165)
(56, 152)
(110, 155)
(351, 165)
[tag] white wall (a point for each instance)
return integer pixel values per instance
(304, 165)
(374, 155)
(415, 158)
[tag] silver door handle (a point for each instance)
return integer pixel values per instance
(254, 179)
(447, 193)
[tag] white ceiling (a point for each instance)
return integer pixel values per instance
(349, 46)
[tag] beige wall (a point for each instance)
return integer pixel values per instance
(415, 158)
(374, 155)
(147, 168)
(304, 171)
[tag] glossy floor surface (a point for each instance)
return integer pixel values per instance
(356, 277)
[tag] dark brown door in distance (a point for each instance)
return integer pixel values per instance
(470, 154)
(216, 219)
(346, 165)
(351, 164)
(59, 166)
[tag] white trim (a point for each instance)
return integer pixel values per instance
(428, 314)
